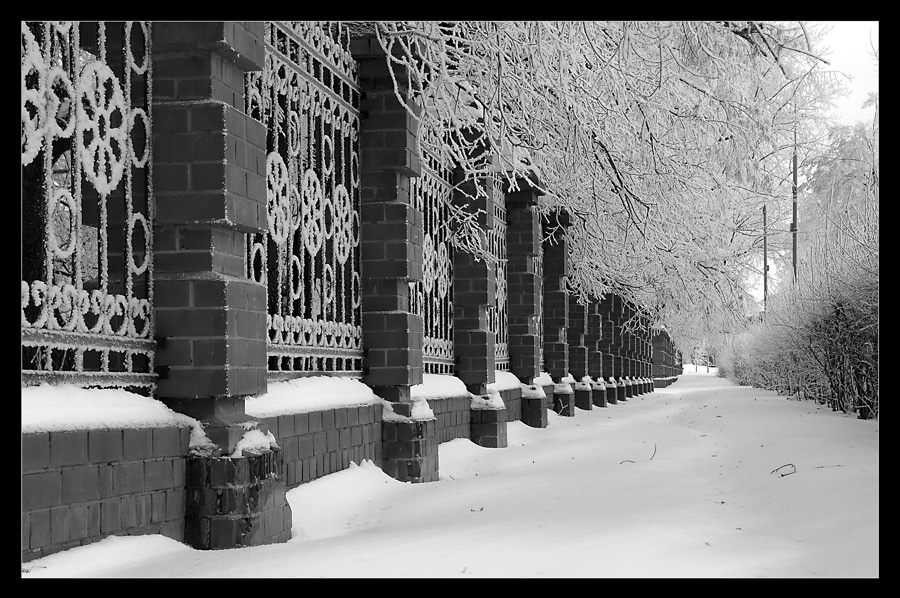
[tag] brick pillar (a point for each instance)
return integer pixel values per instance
(592, 339)
(662, 359)
(210, 319)
(523, 253)
(639, 358)
(611, 308)
(556, 308)
(474, 293)
(210, 189)
(619, 344)
(606, 347)
(646, 355)
(391, 258)
(578, 351)
(625, 351)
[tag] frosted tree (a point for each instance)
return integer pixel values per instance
(819, 338)
(660, 138)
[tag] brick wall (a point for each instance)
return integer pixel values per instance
(452, 415)
(82, 486)
(512, 398)
(317, 443)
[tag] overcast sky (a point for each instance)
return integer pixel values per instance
(851, 54)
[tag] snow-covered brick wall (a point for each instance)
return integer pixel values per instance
(533, 391)
(543, 379)
(254, 441)
(314, 393)
(439, 386)
(419, 410)
(493, 401)
(503, 381)
(64, 407)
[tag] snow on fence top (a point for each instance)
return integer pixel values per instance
(543, 379)
(64, 407)
(439, 386)
(503, 381)
(313, 393)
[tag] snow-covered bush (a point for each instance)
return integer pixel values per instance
(819, 337)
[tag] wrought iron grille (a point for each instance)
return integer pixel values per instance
(498, 315)
(87, 263)
(432, 297)
(308, 98)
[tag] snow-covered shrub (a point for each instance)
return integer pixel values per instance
(819, 337)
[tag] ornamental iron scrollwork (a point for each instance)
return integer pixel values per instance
(432, 297)
(86, 291)
(498, 314)
(307, 96)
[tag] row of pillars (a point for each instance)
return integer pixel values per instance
(586, 339)
(209, 182)
(666, 365)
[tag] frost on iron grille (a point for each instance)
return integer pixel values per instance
(86, 290)
(433, 294)
(498, 314)
(307, 96)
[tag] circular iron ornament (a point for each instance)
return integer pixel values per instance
(355, 228)
(327, 291)
(354, 169)
(68, 304)
(135, 218)
(33, 100)
(296, 208)
(38, 295)
(145, 120)
(25, 301)
(356, 287)
(428, 265)
(442, 270)
(327, 155)
(295, 281)
(60, 110)
(328, 215)
(100, 100)
(121, 310)
(139, 69)
(62, 197)
(313, 198)
(294, 134)
(96, 307)
(140, 310)
(343, 224)
(277, 196)
(256, 273)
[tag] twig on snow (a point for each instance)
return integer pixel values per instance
(650, 459)
(793, 470)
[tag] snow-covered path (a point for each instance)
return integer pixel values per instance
(684, 482)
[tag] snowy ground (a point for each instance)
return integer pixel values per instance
(700, 479)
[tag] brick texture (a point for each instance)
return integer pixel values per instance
(100, 482)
